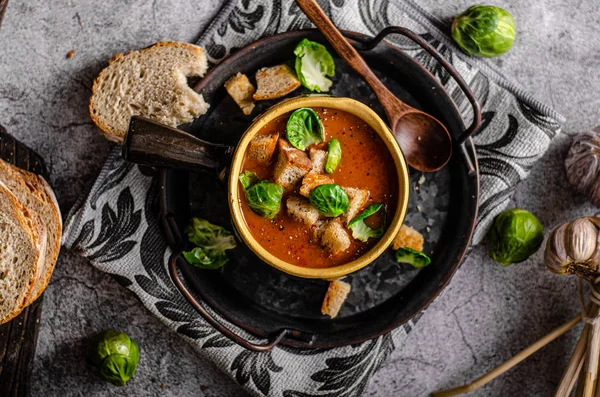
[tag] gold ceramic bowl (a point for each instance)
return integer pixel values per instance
(368, 116)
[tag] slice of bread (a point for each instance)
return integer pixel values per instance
(241, 90)
(35, 193)
(334, 237)
(275, 82)
(22, 254)
(152, 83)
(335, 297)
(357, 200)
(311, 181)
(318, 158)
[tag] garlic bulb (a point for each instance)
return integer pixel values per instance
(583, 165)
(574, 248)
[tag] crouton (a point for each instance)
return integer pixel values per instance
(408, 237)
(335, 297)
(262, 147)
(334, 237)
(357, 199)
(241, 90)
(299, 209)
(318, 158)
(311, 181)
(275, 82)
(291, 166)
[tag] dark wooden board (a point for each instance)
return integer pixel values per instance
(18, 338)
(3, 4)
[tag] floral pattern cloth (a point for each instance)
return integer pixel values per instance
(116, 224)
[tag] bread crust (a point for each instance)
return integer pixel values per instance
(110, 133)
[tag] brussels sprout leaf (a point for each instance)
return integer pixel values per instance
(329, 199)
(413, 257)
(334, 156)
(248, 178)
(304, 128)
(313, 63)
(360, 230)
(212, 241)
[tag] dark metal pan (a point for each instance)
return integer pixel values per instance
(284, 309)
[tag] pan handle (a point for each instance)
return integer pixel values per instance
(150, 143)
(256, 347)
(446, 65)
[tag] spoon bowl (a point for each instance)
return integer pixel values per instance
(428, 150)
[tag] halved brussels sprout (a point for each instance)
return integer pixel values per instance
(313, 63)
(304, 128)
(329, 199)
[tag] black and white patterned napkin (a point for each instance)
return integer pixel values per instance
(116, 227)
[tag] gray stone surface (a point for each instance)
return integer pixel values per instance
(486, 315)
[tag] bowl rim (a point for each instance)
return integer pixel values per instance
(367, 115)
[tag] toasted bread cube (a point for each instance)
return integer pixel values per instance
(299, 209)
(335, 297)
(241, 90)
(318, 158)
(291, 166)
(335, 238)
(262, 147)
(357, 199)
(275, 82)
(408, 237)
(311, 181)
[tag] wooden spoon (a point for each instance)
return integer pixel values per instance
(424, 140)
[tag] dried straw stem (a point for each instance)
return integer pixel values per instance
(574, 367)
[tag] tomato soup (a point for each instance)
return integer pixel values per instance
(366, 163)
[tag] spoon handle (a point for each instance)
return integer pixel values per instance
(392, 105)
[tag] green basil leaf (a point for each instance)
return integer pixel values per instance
(304, 128)
(412, 257)
(334, 155)
(264, 198)
(313, 63)
(329, 199)
(360, 230)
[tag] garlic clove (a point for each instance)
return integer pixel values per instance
(555, 255)
(582, 237)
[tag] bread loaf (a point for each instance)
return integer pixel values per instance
(152, 83)
(34, 193)
(22, 253)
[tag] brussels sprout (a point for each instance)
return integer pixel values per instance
(264, 198)
(360, 230)
(212, 241)
(313, 63)
(515, 236)
(412, 257)
(113, 356)
(484, 31)
(329, 199)
(334, 156)
(304, 128)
